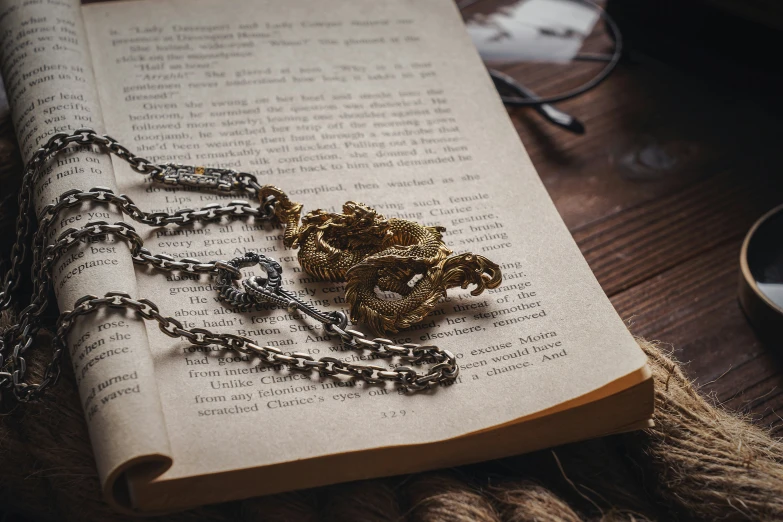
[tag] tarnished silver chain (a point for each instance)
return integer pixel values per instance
(17, 339)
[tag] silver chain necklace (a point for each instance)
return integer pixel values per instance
(17, 339)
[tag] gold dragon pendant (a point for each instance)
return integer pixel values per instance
(396, 270)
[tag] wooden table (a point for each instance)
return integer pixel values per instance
(658, 194)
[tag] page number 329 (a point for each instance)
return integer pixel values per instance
(392, 414)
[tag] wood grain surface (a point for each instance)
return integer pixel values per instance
(658, 194)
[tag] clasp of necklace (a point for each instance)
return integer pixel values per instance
(273, 200)
(224, 180)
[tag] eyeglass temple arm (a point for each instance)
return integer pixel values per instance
(549, 112)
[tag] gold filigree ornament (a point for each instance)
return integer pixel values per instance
(396, 270)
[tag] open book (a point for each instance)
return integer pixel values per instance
(386, 103)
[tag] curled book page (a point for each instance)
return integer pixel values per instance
(49, 80)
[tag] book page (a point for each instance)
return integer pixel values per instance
(386, 103)
(47, 72)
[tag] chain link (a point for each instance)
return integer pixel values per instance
(17, 339)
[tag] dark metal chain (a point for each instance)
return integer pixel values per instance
(17, 339)
(443, 367)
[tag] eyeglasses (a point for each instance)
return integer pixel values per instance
(541, 52)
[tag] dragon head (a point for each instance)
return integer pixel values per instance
(363, 224)
(358, 227)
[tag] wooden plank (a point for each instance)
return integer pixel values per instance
(693, 306)
(629, 154)
(633, 245)
(635, 148)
